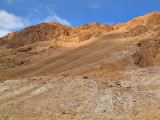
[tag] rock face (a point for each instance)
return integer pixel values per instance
(53, 31)
(141, 24)
(38, 33)
(148, 54)
(63, 33)
(150, 20)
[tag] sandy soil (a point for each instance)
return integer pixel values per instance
(83, 98)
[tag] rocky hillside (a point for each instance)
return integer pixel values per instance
(63, 33)
(148, 53)
(55, 32)
(28, 45)
(142, 24)
(91, 72)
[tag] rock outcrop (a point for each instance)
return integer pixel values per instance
(53, 31)
(148, 53)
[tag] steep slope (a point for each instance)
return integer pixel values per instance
(95, 51)
(48, 48)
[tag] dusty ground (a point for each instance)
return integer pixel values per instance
(135, 97)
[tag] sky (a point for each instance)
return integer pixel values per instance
(18, 14)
